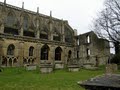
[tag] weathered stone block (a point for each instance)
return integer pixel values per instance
(31, 67)
(88, 65)
(111, 68)
(46, 68)
(59, 65)
(73, 68)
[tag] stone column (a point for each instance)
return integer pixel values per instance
(37, 30)
(21, 26)
(21, 53)
(52, 54)
(38, 49)
(62, 32)
(50, 32)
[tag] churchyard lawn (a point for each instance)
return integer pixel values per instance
(20, 79)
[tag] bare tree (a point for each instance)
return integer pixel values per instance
(107, 25)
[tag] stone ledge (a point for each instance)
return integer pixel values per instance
(73, 68)
(46, 68)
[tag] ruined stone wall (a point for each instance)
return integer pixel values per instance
(99, 49)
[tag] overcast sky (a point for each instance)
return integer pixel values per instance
(79, 13)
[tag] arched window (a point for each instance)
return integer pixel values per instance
(10, 49)
(44, 52)
(10, 20)
(68, 35)
(11, 26)
(58, 51)
(25, 22)
(31, 50)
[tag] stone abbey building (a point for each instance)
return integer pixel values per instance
(28, 37)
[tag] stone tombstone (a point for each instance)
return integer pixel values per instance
(31, 67)
(111, 68)
(46, 68)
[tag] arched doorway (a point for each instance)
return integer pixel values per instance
(58, 51)
(45, 52)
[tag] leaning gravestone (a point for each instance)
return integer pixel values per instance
(111, 68)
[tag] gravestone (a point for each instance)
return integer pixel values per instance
(46, 68)
(31, 67)
(111, 68)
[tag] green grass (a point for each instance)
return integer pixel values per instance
(20, 79)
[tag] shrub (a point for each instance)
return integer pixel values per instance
(116, 59)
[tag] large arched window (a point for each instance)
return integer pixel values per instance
(10, 49)
(31, 50)
(58, 51)
(11, 26)
(25, 22)
(44, 52)
(68, 35)
(10, 20)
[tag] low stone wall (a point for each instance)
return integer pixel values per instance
(46, 68)
(59, 65)
(88, 65)
(31, 67)
(73, 68)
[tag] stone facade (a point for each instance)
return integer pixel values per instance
(28, 37)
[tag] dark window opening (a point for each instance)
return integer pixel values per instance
(14, 61)
(43, 36)
(4, 61)
(29, 61)
(77, 54)
(44, 52)
(31, 51)
(58, 51)
(28, 33)
(56, 38)
(12, 31)
(24, 61)
(10, 62)
(67, 39)
(69, 54)
(10, 50)
(33, 61)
